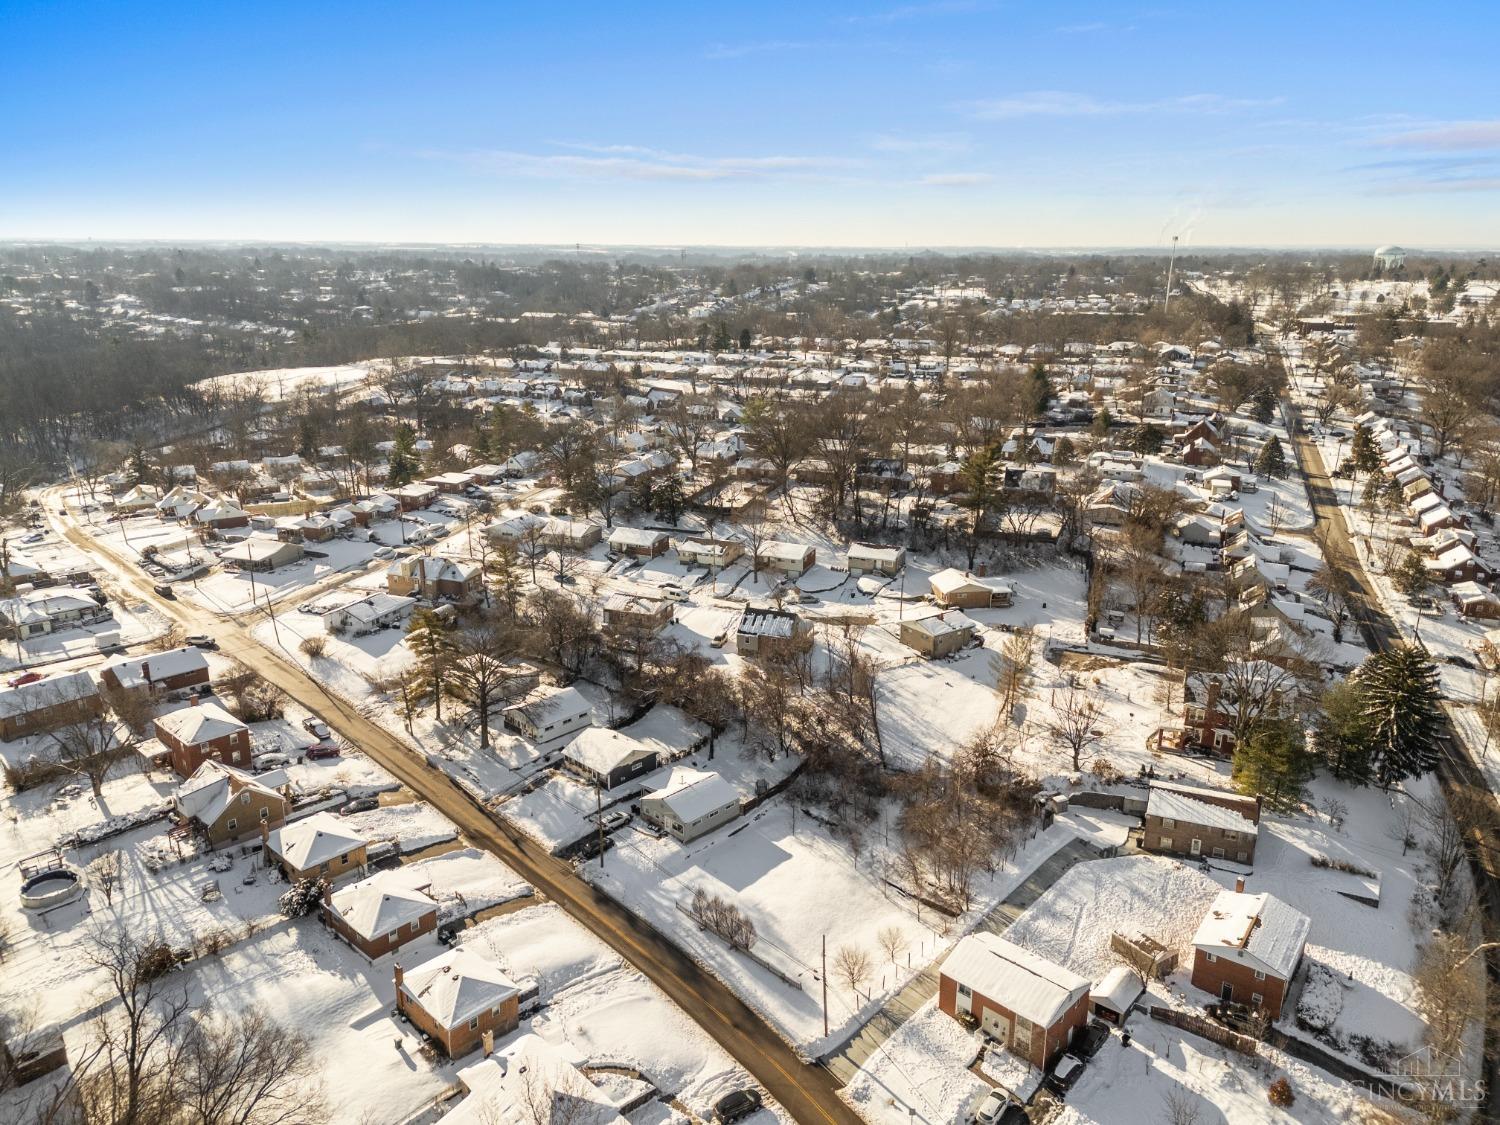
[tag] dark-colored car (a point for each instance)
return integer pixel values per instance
(322, 750)
(1064, 1074)
(359, 804)
(164, 591)
(25, 678)
(732, 1107)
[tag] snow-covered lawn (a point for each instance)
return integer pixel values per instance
(1072, 921)
(413, 827)
(606, 1009)
(557, 812)
(798, 887)
(920, 1073)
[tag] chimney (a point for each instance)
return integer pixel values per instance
(265, 833)
(1239, 884)
(328, 894)
(399, 977)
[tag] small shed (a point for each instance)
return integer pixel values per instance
(1116, 993)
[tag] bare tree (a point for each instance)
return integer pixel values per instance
(1077, 723)
(892, 941)
(90, 745)
(247, 1070)
(104, 872)
(1180, 1107)
(1013, 666)
(852, 964)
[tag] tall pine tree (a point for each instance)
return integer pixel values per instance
(403, 463)
(1273, 763)
(1341, 736)
(1398, 691)
(1272, 460)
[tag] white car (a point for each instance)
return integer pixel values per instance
(384, 553)
(674, 593)
(992, 1110)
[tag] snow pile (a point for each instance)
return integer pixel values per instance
(1012, 1072)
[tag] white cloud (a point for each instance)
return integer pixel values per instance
(1062, 103)
(636, 162)
(1456, 136)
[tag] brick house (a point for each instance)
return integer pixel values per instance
(953, 589)
(318, 847)
(763, 632)
(939, 635)
(172, 670)
(200, 733)
(629, 613)
(793, 559)
(1456, 564)
(379, 915)
(224, 804)
(1211, 700)
(435, 579)
(638, 543)
(1247, 949)
(48, 704)
(456, 998)
(1189, 821)
(1028, 1004)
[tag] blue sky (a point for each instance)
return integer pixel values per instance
(942, 123)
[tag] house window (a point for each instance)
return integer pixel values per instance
(1218, 853)
(1259, 975)
(415, 926)
(474, 1024)
(1257, 999)
(1168, 822)
(1166, 842)
(1240, 856)
(244, 798)
(232, 824)
(1211, 957)
(965, 990)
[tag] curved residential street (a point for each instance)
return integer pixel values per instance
(806, 1091)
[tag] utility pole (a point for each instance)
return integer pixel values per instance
(825, 986)
(1172, 261)
(599, 820)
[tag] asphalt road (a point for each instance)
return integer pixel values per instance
(807, 1091)
(1456, 771)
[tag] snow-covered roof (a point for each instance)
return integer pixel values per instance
(942, 624)
(952, 580)
(200, 723)
(635, 537)
(209, 792)
(564, 703)
(1258, 930)
(1190, 810)
(783, 551)
(603, 750)
(692, 794)
(1119, 988)
(456, 986)
(1033, 987)
(505, 1088)
(316, 840)
(67, 688)
(380, 905)
(888, 555)
(767, 623)
(373, 608)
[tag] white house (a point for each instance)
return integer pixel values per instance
(369, 614)
(692, 803)
(553, 716)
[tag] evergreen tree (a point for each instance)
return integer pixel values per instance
(745, 339)
(1264, 403)
(1272, 460)
(1041, 388)
(430, 642)
(1146, 438)
(1099, 427)
(1363, 453)
(1399, 692)
(1064, 452)
(138, 466)
(403, 465)
(1411, 576)
(1273, 763)
(722, 340)
(1341, 736)
(668, 498)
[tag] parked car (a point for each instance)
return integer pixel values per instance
(272, 761)
(28, 678)
(384, 553)
(720, 639)
(321, 751)
(997, 1108)
(439, 533)
(315, 727)
(164, 591)
(617, 819)
(359, 804)
(732, 1107)
(1065, 1073)
(201, 640)
(673, 593)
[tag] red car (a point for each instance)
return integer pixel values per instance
(322, 750)
(28, 678)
